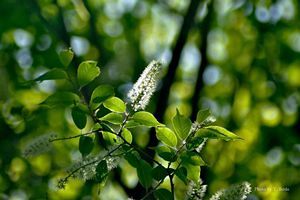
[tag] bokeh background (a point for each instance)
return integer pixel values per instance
(240, 58)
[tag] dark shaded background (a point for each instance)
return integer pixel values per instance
(239, 58)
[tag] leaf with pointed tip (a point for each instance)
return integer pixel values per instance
(87, 71)
(203, 115)
(192, 158)
(145, 119)
(217, 132)
(115, 104)
(167, 136)
(100, 94)
(109, 137)
(86, 145)
(114, 118)
(79, 117)
(144, 173)
(53, 74)
(159, 173)
(66, 57)
(61, 99)
(126, 134)
(166, 153)
(182, 125)
(181, 173)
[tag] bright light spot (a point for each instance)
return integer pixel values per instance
(271, 115)
(262, 14)
(113, 28)
(294, 156)
(288, 9)
(217, 41)
(274, 157)
(191, 57)
(275, 13)
(80, 45)
(23, 38)
(44, 42)
(294, 41)
(290, 104)
(211, 75)
(24, 58)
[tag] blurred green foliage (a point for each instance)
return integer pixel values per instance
(251, 83)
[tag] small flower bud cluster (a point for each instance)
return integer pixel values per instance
(236, 192)
(38, 145)
(196, 191)
(145, 86)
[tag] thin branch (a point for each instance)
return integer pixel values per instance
(72, 137)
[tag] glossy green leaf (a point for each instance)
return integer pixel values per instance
(166, 153)
(216, 132)
(79, 117)
(101, 171)
(132, 124)
(144, 173)
(53, 74)
(61, 99)
(109, 138)
(166, 136)
(181, 173)
(133, 158)
(194, 143)
(87, 71)
(100, 94)
(203, 115)
(193, 171)
(66, 57)
(115, 104)
(159, 173)
(182, 125)
(126, 134)
(114, 118)
(192, 158)
(163, 194)
(145, 118)
(86, 145)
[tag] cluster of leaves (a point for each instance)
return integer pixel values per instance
(179, 148)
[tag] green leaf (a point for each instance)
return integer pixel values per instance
(114, 118)
(181, 173)
(115, 104)
(166, 153)
(109, 137)
(132, 124)
(192, 158)
(163, 194)
(144, 173)
(53, 74)
(86, 145)
(79, 117)
(203, 115)
(182, 125)
(61, 99)
(87, 71)
(126, 134)
(145, 118)
(101, 171)
(100, 94)
(166, 135)
(194, 143)
(216, 132)
(159, 173)
(66, 57)
(133, 158)
(193, 171)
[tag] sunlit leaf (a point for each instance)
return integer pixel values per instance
(203, 115)
(166, 153)
(182, 125)
(100, 94)
(115, 104)
(126, 134)
(114, 118)
(216, 132)
(87, 71)
(192, 158)
(109, 137)
(66, 57)
(181, 173)
(145, 118)
(166, 135)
